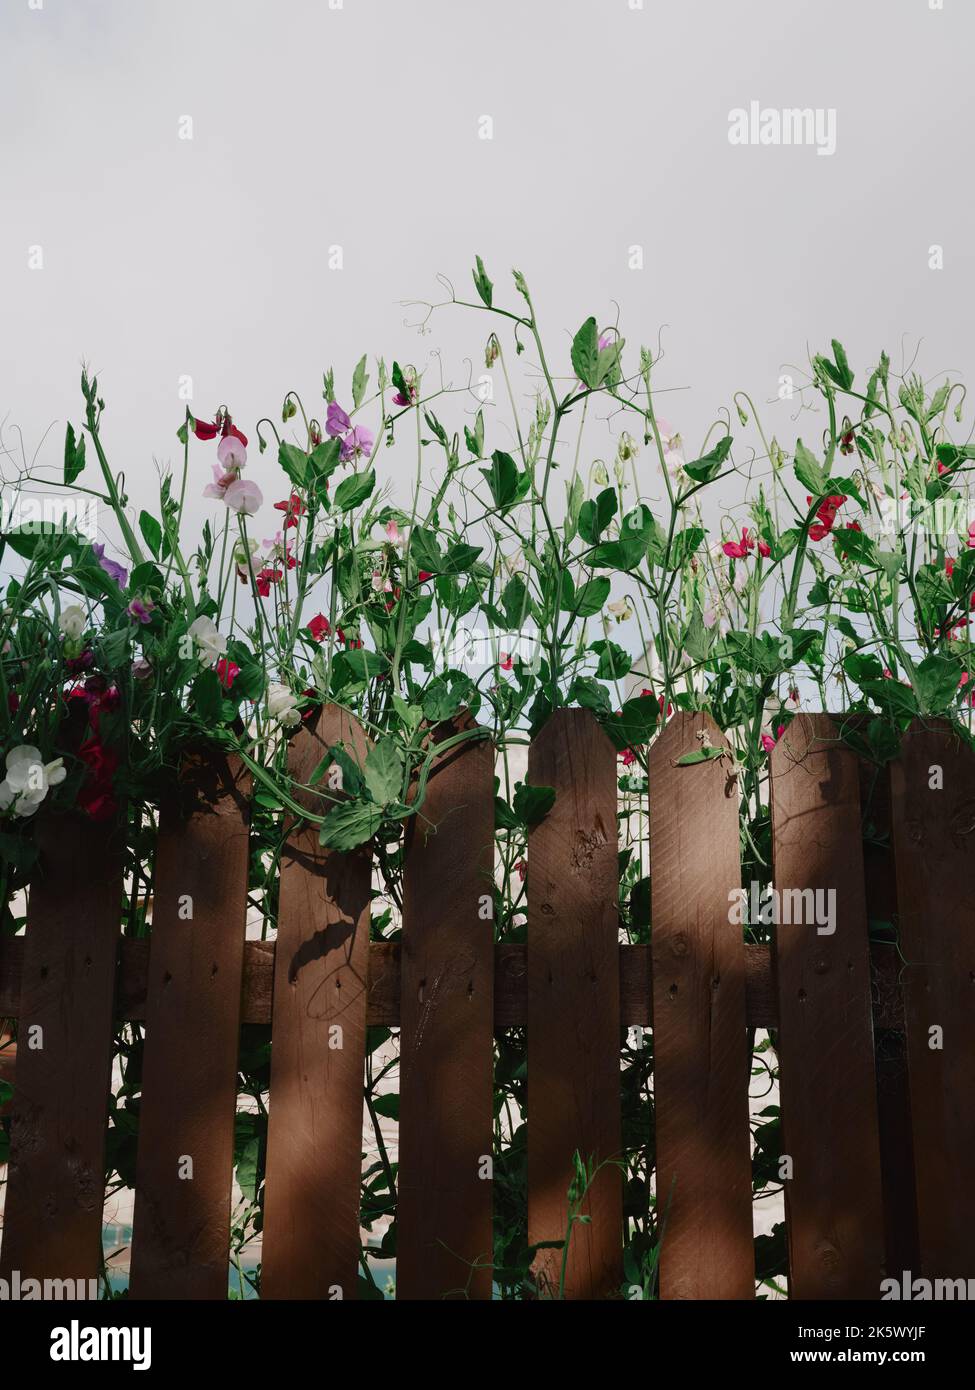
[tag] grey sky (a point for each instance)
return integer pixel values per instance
(358, 126)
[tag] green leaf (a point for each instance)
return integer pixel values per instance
(857, 546)
(354, 490)
(383, 772)
(360, 379)
(325, 458)
(614, 661)
(482, 284)
(151, 532)
(587, 692)
(595, 516)
(347, 826)
(502, 478)
(460, 557)
(294, 461)
(532, 804)
(387, 1105)
(700, 755)
(585, 353)
(208, 696)
(74, 455)
(936, 681)
(809, 472)
(634, 724)
(589, 599)
(706, 468)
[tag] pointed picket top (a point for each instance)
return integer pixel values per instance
(688, 732)
(575, 721)
(331, 727)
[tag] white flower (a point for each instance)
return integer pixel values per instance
(73, 621)
(28, 779)
(282, 705)
(620, 610)
(210, 642)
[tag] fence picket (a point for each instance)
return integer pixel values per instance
(574, 1006)
(444, 1242)
(701, 1071)
(890, 1050)
(56, 1175)
(314, 1155)
(933, 785)
(834, 1210)
(181, 1228)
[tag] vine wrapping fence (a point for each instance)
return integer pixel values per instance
(881, 1137)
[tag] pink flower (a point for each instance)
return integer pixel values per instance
(971, 536)
(764, 549)
(393, 533)
(506, 662)
(231, 453)
(244, 498)
(767, 742)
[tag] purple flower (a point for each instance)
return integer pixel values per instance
(356, 442)
(113, 570)
(141, 610)
(336, 420)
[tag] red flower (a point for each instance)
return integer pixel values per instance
(424, 575)
(826, 511)
(764, 549)
(95, 796)
(853, 526)
(223, 425)
(266, 578)
(319, 627)
(293, 509)
(227, 670)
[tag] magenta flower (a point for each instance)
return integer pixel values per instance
(111, 568)
(336, 420)
(356, 442)
(140, 609)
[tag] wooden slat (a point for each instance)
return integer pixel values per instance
(314, 1155)
(181, 1228)
(890, 1052)
(573, 1006)
(834, 1211)
(701, 1065)
(510, 984)
(934, 837)
(56, 1176)
(444, 1239)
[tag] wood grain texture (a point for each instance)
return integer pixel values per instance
(56, 1175)
(834, 1211)
(314, 1155)
(934, 834)
(573, 1005)
(701, 1065)
(510, 984)
(444, 1241)
(890, 1051)
(181, 1227)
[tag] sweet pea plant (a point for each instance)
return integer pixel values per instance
(743, 579)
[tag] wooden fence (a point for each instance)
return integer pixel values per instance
(878, 1119)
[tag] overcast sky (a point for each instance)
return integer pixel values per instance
(318, 125)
